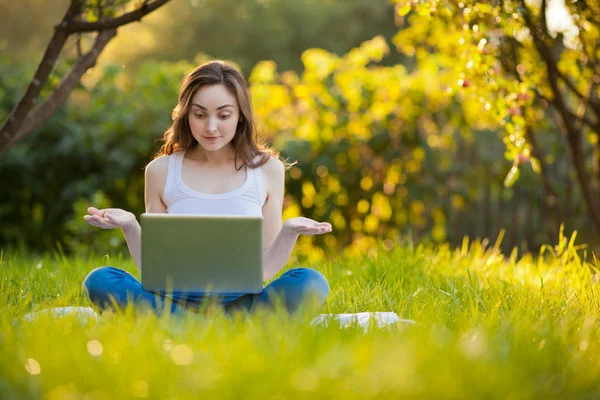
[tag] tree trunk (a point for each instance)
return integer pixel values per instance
(13, 123)
(22, 120)
(565, 116)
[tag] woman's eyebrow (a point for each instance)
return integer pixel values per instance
(218, 108)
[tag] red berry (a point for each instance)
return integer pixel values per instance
(515, 111)
(522, 158)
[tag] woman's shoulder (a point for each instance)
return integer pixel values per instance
(273, 173)
(273, 167)
(158, 167)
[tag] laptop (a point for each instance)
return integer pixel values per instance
(213, 254)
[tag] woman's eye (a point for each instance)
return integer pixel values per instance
(199, 115)
(225, 116)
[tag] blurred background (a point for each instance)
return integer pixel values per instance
(434, 120)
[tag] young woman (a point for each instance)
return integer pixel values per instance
(210, 163)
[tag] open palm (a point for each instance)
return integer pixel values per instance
(307, 226)
(108, 218)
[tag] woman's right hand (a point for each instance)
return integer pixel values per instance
(109, 218)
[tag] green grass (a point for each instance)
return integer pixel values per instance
(489, 326)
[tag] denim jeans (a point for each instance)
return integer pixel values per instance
(107, 286)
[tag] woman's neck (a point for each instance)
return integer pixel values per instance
(219, 158)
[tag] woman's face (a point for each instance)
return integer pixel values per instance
(213, 116)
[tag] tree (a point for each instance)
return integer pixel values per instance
(524, 72)
(82, 17)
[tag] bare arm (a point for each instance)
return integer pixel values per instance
(133, 237)
(278, 244)
(278, 253)
(280, 240)
(110, 218)
(155, 177)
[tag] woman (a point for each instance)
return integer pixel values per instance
(210, 163)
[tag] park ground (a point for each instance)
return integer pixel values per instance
(488, 325)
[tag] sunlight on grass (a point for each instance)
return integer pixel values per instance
(488, 325)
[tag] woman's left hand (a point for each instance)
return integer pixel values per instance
(306, 226)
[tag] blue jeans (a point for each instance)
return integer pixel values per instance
(107, 286)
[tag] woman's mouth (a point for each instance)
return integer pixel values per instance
(210, 138)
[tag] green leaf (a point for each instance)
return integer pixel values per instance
(512, 176)
(405, 9)
(535, 164)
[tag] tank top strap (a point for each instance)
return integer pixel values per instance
(175, 188)
(258, 180)
(170, 181)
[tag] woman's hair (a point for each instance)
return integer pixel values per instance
(179, 136)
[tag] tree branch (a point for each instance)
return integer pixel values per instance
(545, 34)
(66, 86)
(583, 107)
(21, 110)
(590, 55)
(543, 20)
(566, 121)
(12, 129)
(578, 119)
(136, 15)
(584, 119)
(593, 104)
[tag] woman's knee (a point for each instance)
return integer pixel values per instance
(97, 283)
(313, 283)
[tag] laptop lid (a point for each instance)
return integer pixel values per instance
(202, 253)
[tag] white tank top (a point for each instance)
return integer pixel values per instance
(247, 199)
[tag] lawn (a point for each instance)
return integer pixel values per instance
(488, 326)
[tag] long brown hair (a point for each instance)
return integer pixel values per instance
(179, 136)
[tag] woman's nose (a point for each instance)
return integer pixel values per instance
(211, 126)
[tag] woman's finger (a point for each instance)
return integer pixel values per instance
(100, 213)
(92, 222)
(101, 222)
(92, 210)
(108, 221)
(312, 232)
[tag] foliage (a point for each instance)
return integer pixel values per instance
(419, 148)
(514, 60)
(101, 141)
(381, 151)
(246, 31)
(488, 326)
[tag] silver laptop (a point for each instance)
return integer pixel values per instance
(202, 253)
